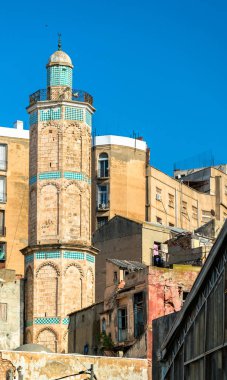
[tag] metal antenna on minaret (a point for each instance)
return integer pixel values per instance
(59, 41)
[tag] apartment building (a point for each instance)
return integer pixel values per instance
(118, 177)
(125, 184)
(14, 153)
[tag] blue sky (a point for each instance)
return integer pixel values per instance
(158, 68)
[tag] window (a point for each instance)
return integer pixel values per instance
(171, 200)
(158, 194)
(103, 196)
(122, 324)
(103, 325)
(101, 220)
(103, 170)
(2, 189)
(3, 157)
(139, 314)
(3, 312)
(115, 278)
(194, 212)
(2, 251)
(2, 223)
(159, 220)
(184, 208)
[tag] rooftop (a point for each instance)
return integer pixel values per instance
(120, 140)
(126, 264)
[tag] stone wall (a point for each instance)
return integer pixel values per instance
(43, 366)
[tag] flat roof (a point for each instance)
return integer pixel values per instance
(120, 140)
(16, 132)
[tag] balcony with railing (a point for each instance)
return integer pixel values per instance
(77, 95)
(104, 206)
(102, 173)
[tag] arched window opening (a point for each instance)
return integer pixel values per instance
(103, 325)
(103, 170)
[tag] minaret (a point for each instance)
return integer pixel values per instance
(59, 258)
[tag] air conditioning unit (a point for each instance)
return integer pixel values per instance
(158, 197)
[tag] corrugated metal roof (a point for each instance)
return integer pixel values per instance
(126, 264)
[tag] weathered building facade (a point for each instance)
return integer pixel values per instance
(48, 366)
(195, 346)
(14, 155)
(60, 261)
(11, 310)
(135, 295)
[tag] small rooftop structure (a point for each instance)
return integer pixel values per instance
(129, 265)
(120, 140)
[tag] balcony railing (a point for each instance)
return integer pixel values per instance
(103, 206)
(102, 173)
(77, 95)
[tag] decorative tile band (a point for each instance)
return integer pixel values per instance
(50, 114)
(50, 175)
(33, 118)
(48, 255)
(47, 321)
(59, 76)
(73, 255)
(90, 258)
(29, 258)
(88, 118)
(77, 175)
(56, 175)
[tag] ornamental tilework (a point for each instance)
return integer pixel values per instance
(29, 258)
(59, 76)
(33, 118)
(50, 114)
(55, 175)
(73, 255)
(65, 321)
(73, 113)
(90, 258)
(50, 175)
(47, 321)
(88, 118)
(78, 176)
(48, 255)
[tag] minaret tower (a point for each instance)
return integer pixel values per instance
(59, 258)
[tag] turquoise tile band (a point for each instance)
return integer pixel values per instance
(56, 175)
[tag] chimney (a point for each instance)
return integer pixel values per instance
(19, 125)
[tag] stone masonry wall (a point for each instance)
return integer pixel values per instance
(42, 366)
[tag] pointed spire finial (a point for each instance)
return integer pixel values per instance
(59, 41)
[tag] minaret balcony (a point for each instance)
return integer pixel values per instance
(77, 95)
